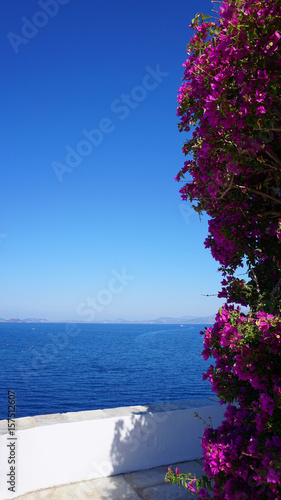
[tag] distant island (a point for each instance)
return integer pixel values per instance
(184, 320)
(26, 320)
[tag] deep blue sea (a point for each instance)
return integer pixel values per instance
(57, 368)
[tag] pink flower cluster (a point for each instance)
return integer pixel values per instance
(231, 97)
(244, 453)
(229, 101)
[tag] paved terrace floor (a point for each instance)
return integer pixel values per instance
(145, 484)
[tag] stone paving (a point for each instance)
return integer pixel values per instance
(146, 484)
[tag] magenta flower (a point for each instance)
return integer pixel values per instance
(267, 403)
(229, 103)
(273, 476)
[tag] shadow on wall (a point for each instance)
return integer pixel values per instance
(145, 437)
(160, 434)
(139, 443)
(136, 444)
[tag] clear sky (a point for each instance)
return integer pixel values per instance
(92, 224)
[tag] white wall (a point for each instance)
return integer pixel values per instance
(57, 449)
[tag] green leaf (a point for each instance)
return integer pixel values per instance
(195, 18)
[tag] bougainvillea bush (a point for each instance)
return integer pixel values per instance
(230, 106)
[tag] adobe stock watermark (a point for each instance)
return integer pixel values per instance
(104, 297)
(121, 107)
(186, 211)
(3, 236)
(42, 357)
(40, 19)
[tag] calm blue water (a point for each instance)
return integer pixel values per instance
(98, 366)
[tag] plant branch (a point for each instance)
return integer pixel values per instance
(268, 129)
(228, 189)
(257, 283)
(209, 295)
(274, 157)
(264, 195)
(273, 214)
(276, 288)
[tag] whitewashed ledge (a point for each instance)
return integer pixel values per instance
(58, 449)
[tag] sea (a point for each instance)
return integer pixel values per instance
(59, 368)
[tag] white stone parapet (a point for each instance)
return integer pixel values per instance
(57, 449)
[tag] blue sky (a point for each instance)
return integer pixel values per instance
(92, 225)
